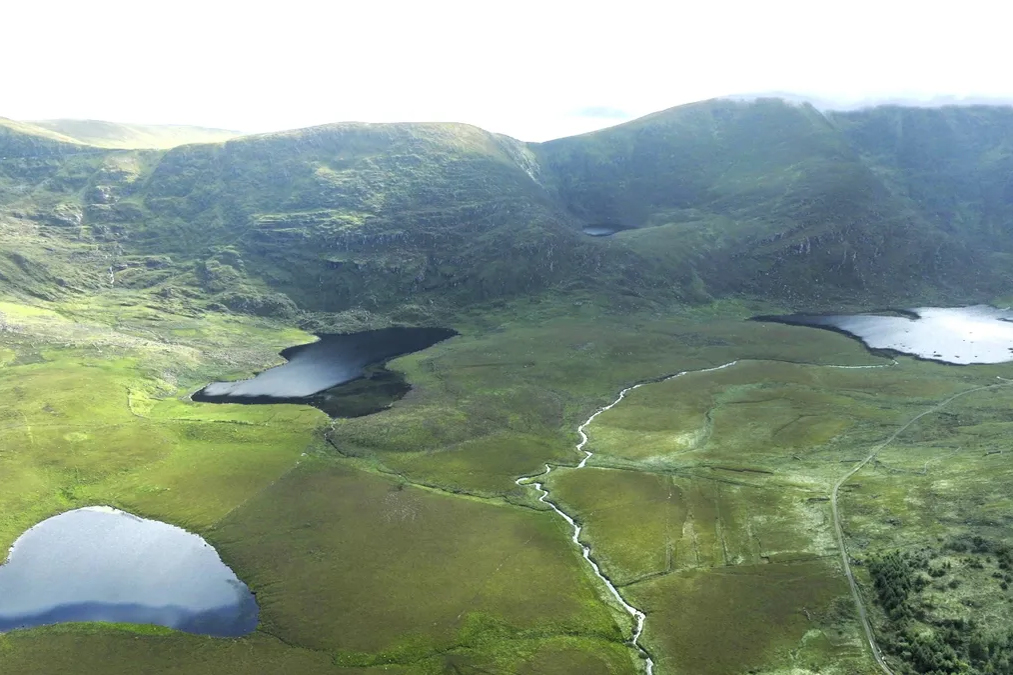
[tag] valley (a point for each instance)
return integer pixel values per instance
(739, 473)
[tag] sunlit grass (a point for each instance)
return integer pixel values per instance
(406, 540)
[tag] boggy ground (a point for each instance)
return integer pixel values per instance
(939, 496)
(707, 503)
(400, 543)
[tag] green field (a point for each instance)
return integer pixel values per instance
(399, 542)
(139, 263)
(707, 502)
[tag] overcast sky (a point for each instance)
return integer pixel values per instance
(534, 70)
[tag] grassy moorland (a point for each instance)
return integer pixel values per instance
(707, 502)
(931, 515)
(399, 542)
(91, 416)
(349, 561)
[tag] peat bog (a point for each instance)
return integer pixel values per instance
(101, 564)
(341, 374)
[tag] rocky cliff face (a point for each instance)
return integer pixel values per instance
(717, 198)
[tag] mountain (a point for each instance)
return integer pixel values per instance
(764, 197)
(721, 198)
(840, 105)
(953, 164)
(20, 138)
(133, 136)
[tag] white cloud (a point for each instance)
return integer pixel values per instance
(523, 68)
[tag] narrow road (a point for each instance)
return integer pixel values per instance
(839, 530)
(638, 616)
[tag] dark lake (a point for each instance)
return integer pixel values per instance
(100, 564)
(957, 335)
(342, 374)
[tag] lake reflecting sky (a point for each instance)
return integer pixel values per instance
(959, 335)
(101, 564)
(332, 360)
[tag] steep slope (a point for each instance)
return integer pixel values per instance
(42, 178)
(22, 138)
(373, 215)
(720, 198)
(133, 136)
(953, 164)
(762, 197)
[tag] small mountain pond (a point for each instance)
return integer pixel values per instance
(341, 374)
(956, 335)
(603, 229)
(101, 564)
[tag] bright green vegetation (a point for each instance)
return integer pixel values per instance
(377, 571)
(133, 136)
(403, 540)
(932, 511)
(707, 503)
(354, 567)
(502, 403)
(399, 542)
(91, 417)
(405, 222)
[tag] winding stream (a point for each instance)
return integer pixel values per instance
(637, 614)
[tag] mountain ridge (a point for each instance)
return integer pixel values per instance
(102, 134)
(720, 198)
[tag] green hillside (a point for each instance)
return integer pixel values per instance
(721, 198)
(18, 138)
(952, 164)
(413, 541)
(768, 198)
(133, 136)
(329, 218)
